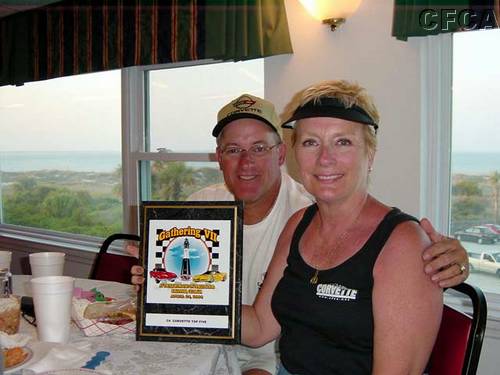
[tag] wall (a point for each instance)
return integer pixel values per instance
(362, 50)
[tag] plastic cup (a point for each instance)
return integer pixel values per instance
(52, 296)
(47, 264)
(5, 259)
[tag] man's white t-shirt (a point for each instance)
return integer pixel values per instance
(259, 241)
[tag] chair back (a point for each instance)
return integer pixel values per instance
(113, 267)
(458, 345)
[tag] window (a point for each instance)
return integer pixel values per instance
(60, 155)
(475, 158)
(65, 148)
(181, 108)
(182, 103)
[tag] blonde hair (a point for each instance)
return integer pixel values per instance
(348, 93)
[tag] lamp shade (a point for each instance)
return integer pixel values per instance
(325, 9)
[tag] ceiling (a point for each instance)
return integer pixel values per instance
(10, 7)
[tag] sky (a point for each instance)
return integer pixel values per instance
(175, 104)
(476, 91)
(80, 112)
(83, 112)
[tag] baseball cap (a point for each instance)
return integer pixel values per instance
(247, 106)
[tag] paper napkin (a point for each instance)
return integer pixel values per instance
(11, 341)
(61, 356)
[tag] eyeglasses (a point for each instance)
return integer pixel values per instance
(258, 150)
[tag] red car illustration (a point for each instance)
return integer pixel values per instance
(160, 274)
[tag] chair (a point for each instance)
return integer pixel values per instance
(113, 267)
(460, 337)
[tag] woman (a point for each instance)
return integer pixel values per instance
(345, 288)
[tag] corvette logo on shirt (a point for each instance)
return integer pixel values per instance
(336, 292)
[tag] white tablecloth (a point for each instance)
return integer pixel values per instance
(141, 357)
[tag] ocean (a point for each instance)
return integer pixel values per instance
(475, 162)
(80, 161)
(108, 161)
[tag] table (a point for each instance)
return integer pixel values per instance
(130, 357)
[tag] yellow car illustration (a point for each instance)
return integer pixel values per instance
(210, 277)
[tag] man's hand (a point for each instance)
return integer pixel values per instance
(136, 271)
(133, 250)
(137, 276)
(446, 261)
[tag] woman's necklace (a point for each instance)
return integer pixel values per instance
(339, 241)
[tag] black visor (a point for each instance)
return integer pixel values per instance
(330, 107)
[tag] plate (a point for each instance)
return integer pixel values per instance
(77, 371)
(28, 357)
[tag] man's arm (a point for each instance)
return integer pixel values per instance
(445, 261)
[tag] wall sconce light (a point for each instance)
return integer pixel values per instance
(331, 12)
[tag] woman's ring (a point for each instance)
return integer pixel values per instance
(462, 268)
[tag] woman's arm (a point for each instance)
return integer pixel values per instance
(407, 305)
(258, 323)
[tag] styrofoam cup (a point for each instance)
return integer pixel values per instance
(5, 259)
(52, 296)
(47, 264)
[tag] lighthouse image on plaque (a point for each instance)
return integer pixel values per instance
(186, 265)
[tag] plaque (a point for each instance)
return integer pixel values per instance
(191, 253)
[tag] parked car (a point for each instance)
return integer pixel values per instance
(484, 262)
(494, 228)
(160, 274)
(210, 276)
(478, 233)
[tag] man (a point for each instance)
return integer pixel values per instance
(250, 153)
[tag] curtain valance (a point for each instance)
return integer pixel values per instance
(74, 37)
(431, 17)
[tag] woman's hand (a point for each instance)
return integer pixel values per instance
(445, 261)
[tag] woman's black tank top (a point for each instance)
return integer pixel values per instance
(327, 328)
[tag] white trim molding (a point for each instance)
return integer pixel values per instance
(436, 114)
(436, 106)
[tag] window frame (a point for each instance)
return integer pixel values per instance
(133, 122)
(435, 162)
(31, 239)
(436, 122)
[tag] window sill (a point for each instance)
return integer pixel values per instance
(34, 238)
(80, 251)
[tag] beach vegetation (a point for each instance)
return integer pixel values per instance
(474, 200)
(89, 203)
